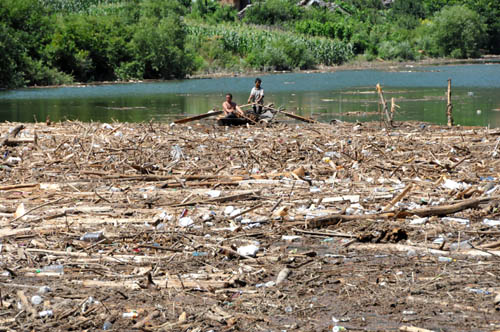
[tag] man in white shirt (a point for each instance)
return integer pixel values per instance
(257, 96)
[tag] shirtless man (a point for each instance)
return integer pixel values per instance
(229, 107)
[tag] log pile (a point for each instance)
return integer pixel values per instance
(296, 226)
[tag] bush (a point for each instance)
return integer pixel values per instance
(273, 12)
(458, 31)
(159, 48)
(212, 11)
(282, 54)
(12, 59)
(390, 50)
(37, 73)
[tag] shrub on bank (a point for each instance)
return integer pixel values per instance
(458, 32)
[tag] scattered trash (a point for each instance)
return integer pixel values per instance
(479, 291)
(36, 300)
(445, 259)
(491, 223)
(44, 289)
(213, 193)
(282, 275)
(46, 313)
(20, 212)
(55, 268)
(107, 326)
(186, 222)
(419, 221)
(458, 220)
(249, 250)
(463, 245)
(130, 314)
(175, 211)
(228, 210)
(92, 237)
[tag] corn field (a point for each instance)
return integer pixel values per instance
(76, 6)
(243, 39)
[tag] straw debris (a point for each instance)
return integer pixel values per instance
(150, 226)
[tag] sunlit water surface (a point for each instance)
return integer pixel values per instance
(346, 95)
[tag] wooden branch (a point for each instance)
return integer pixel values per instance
(443, 210)
(297, 117)
(413, 329)
(146, 319)
(440, 210)
(394, 247)
(36, 208)
(220, 199)
(26, 304)
(12, 134)
(393, 108)
(449, 106)
(398, 198)
(384, 103)
(429, 300)
(198, 117)
(291, 115)
(19, 186)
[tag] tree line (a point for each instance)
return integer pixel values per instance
(49, 42)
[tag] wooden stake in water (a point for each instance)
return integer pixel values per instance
(384, 104)
(449, 107)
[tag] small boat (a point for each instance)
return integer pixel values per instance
(249, 117)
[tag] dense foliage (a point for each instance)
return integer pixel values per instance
(46, 42)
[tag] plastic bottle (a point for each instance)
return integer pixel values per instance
(445, 259)
(460, 246)
(92, 237)
(57, 268)
(44, 289)
(107, 326)
(130, 314)
(46, 313)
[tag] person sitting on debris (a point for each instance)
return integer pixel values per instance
(230, 108)
(257, 96)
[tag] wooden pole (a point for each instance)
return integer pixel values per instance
(384, 104)
(393, 108)
(449, 107)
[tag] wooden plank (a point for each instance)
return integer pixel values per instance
(198, 117)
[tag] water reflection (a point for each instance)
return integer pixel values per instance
(344, 95)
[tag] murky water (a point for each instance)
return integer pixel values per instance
(347, 95)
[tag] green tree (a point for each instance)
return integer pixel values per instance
(273, 12)
(159, 48)
(458, 31)
(12, 58)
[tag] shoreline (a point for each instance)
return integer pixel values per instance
(352, 65)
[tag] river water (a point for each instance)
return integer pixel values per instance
(348, 95)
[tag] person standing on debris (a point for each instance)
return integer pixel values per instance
(257, 96)
(230, 108)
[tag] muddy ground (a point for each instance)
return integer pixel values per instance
(291, 227)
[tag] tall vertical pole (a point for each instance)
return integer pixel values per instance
(449, 107)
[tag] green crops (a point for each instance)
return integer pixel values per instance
(245, 39)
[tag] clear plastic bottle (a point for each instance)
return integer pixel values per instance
(445, 259)
(92, 237)
(57, 268)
